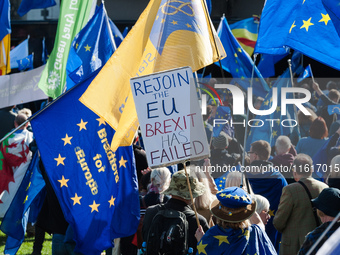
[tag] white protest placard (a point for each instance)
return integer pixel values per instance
(170, 117)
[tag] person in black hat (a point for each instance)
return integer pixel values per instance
(328, 208)
(233, 233)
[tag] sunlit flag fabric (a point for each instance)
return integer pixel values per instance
(238, 63)
(230, 241)
(5, 47)
(90, 50)
(27, 5)
(96, 187)
(167, 35)
(15, 158)
(245, 31)
(26, 63)
(5, 19)
(306, 73)
(313, 34)
(19, 52)
(332, 7)
(263, 129)
(73, 17)
(15, 221)
(276, 19)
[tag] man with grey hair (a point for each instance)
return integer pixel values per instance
(295, 217)
(285, 154)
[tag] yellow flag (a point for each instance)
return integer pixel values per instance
(5, 48)
(168, 34)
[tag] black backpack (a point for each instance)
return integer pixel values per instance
(168, 233)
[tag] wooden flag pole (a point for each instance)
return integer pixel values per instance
(191, 197)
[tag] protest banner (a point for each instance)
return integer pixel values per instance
(170, 117)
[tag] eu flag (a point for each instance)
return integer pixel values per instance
(26, 63)
(15, 220)
(27, 5)
(96, 187)
(238, 62)
(222, 121)
(90, 49)
(269, 127)
(313, 33)
(332, 7)
(306, 73)
(19, 52)
(276, 19)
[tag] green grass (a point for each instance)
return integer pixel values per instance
(27, 246)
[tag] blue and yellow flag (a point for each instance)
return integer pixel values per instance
(26, 63)
(245, 31)
(251, 240)
(96, 187)
(91, 48)
(269, 127)
(238, 63)
(167, 35)
(5, 18)
(313, 33)
(16, 218)
(306, 73)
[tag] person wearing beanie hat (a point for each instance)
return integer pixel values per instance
(233, 233)
(180, 201)
(328, 209)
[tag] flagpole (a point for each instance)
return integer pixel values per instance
(113, 43)
(310, 67)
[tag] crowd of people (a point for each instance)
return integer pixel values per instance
(261, 211)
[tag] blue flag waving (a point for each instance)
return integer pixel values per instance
(96, 187)
(269, 127)
(313, 33)
(238, 62)
(19, 52)
(332, 7)
(26, 63)
(5, 19)
(90, 49)
(27, 5)
(267, 64)
(15, 220)
(306, 73)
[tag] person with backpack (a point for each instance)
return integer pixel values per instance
(170, 228)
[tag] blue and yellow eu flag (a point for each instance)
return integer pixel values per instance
(96, 187)
(15, 220)
(91, 48)
(270, 127)
(5, 19)
(26, 63)
(168, 34)
(229, 241)
(238, 63)
(313, 33)
(306, 73)
(222, 121)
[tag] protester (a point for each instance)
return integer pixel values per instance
(328, 207)
(316, 139)
(234, 233)
(262, 208)
(180, 201)
(295, 216)
(304, 121)
(266, 182)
